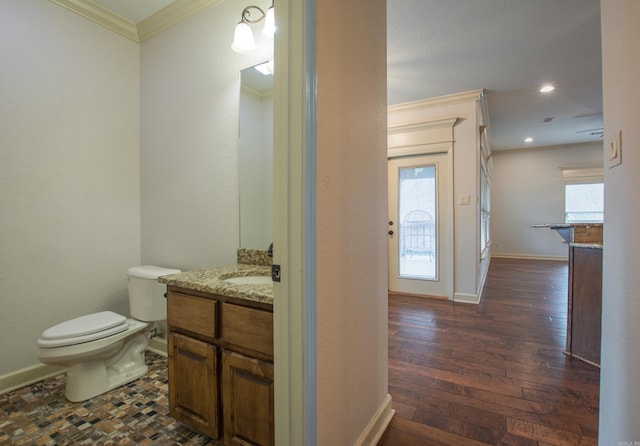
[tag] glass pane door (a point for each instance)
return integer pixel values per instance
(420, 225)
(417, 222)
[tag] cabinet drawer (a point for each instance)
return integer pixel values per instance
(248, 328)
(193, 314)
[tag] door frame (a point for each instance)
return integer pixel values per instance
(428, 138)
(448, 216)
(294, 323)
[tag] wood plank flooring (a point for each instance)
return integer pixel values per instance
(493, 373)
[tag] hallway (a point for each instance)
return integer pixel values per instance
(493, 373)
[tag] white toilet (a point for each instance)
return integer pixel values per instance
(105, 350)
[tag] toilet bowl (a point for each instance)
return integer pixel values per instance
(105, 350)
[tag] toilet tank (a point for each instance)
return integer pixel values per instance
(146, 295)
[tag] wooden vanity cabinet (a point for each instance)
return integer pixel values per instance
(221, 366)
(193, 393)
(247, 398)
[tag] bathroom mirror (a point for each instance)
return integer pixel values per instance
(256, 159)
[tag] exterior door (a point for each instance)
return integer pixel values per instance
(419, 225)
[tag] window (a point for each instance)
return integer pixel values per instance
(583, 196)
(484, 210)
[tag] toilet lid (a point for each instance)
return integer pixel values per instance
(83, 329)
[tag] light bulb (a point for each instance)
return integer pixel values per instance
(269, 23)
(243, 41)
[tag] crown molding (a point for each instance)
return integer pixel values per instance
(101, 16)
(164, 19)
(170, 16)
(467, 96)
(255, 93)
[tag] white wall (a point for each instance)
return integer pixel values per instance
(190, 90)
(351, 218)
(466, 181)
(619, 389)
(69, 187)
(526, 189)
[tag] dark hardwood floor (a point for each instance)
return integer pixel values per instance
(493, 373)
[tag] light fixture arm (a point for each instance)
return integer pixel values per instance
(243, 41)
(246, 14)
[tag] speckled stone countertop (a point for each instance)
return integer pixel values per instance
(587, 245)
(211, 280)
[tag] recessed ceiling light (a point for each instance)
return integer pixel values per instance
(547, 88)
(528, 139)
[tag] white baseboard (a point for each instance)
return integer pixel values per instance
(158, 345)
(29, 375)
(529, 257)
(466, 298)
(33, 374)
(377, 425)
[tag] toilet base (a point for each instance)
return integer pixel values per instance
(93, 377)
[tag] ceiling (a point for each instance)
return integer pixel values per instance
(508, 48)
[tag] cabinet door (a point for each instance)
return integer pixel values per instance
(193, 390)
(247, 400)
(585, 303)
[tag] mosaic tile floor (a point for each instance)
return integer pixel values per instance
(134, 414)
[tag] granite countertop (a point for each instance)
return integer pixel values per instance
(565, 225)
(587, 245)
(211, 280)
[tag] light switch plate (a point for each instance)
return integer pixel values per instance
(464, 200)
(615, 149)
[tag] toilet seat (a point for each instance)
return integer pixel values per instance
(83, 329)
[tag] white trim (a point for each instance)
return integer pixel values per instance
(418, 150)
(427, 136)
(294, 321)
(466, 298)
(483, 277)
(473, 95)
(164, 19)
(29, 375)
(589, 173)
(101, 16)
(528, 257)
(176, 12)
(377, 425)
(259, 95)
(446, 123)
(158, 345)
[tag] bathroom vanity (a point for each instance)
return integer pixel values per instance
(220, 346)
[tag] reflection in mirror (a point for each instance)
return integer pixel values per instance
(256, 159)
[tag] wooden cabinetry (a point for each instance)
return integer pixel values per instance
(221, 366)
(585, 302)
(193, 393)
(247, 398)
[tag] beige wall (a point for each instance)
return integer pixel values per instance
(69, 187)
(619, 390)
(189, 130)
(527, 189)
(351, 218)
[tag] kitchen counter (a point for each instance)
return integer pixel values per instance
(212, 280)
(576, 232)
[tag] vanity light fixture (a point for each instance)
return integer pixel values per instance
(243, 40)
(547, 88)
